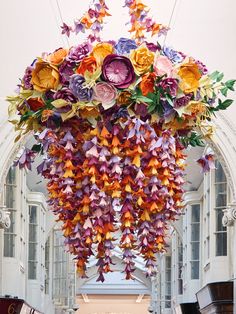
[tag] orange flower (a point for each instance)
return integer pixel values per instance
(190, 75)
(101, 50)
(142, 59)
(45, 76)
(147, 83)
(35, 103)
(57, 56)
(87, 64)
(46, 114)
(124, 98)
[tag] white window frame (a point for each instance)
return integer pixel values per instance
(35, 243)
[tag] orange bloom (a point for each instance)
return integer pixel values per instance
(147, 83)
(57, 56)
(35, 103)
(101, 50)
(46, 114)
(87, 64)
(190, 75)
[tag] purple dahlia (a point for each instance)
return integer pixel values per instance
(78, 89)
(118, 71)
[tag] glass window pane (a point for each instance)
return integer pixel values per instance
(196, 213)
(195, 270)
(195, 234)
(195, 251)
(32, 269)
(9, 245)
(221, 194)
(219, 173)
(32, 251)
(11, 176)
(221, 244)
(33, 233)
(10, 201)
(33, 214)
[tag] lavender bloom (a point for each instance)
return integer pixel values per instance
(27, 78)
(79, 27)
(169, 85)
(76, 54)
(78, 89)
(202, 67)
(125, 45)
(173, 55)
(66, 94)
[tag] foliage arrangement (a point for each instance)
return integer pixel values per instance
(112, 120)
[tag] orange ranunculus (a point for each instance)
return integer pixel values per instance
(35, 103)
(101, 50)
(124, 98)
(45, 76)
(142, 59)
(87, 64)
(190, 75)
(147, 83)
(57, 56)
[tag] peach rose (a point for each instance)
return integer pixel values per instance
(142, 59)
(58, 56)
(45, 76)
(190, 75)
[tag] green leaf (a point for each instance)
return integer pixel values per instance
(219, 77)
(36, 148)
(214, 75)
(224, 91)
(144, 99)
(230, 84)
(225, 104)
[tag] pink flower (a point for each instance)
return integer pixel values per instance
(118, 70)
(105, 93)
(162, 66)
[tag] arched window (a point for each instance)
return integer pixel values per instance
(220, 203)
(10, 203)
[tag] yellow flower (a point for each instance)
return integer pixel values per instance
(142, 59)
(190, 75)
(57, 56)
(196, 108)
(45, 76)
(100, 51)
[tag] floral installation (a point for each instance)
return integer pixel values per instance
(113, 120)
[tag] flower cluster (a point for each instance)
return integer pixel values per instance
(114, 119)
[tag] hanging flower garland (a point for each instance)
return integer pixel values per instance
(113, 120)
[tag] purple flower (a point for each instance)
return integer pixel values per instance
(76, 54)
(66, 29)
(182, 101)
(66, 94)
(27, 78)
(79, 27)
(173, 55)
(66, 69)
(152, 47)
(202, 67)
(169, 85)
(125, 45)
(118, 70)
(78, 89)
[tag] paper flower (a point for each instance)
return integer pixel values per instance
(57, 56)
(163, 66)
(118, 70)
(87, 64)
(77, 53)
(125, 45)
(35, 103)
(45, 76)
(190, 75)
(101, 50)
(142, 59)
(105, 93)
(78, 89)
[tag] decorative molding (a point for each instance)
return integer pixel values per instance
(229, 215)
(5, 221)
